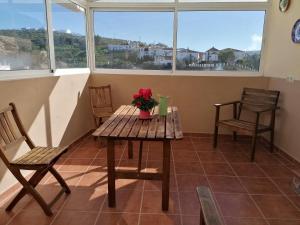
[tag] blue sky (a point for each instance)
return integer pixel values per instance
(196, 30)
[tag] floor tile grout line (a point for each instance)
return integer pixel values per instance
(143, 190)
(214, 197)
(250, 196)
(176, 184)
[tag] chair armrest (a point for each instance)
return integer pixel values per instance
(226, 103)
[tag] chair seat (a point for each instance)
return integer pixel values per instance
(241, 125)
(39, 156)
(102, 114)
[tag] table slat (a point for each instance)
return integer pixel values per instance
(115, 122)
(108, 121)
(178, 130)
(161, 127)
(144, 129)
(153, 123)
(135, 129)
(123, 122)
(126, 130)
(170, 124)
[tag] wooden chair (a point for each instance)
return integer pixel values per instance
(39, 159)
(257, 101)
(101, 103)
(208, 213)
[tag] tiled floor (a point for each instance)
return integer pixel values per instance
(246, 193)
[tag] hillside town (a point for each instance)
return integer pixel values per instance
(162, 55)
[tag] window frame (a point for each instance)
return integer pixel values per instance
(176, 7)
(52, 71)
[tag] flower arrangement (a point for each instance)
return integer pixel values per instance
(143, 100)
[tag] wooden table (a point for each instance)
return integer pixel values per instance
(124, 124)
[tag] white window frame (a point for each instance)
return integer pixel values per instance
(52, 71)
(176, 7)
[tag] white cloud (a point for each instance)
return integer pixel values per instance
(68, 31)
(256, 41)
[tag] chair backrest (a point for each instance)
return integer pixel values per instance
(11, 130)
(101, 98)
(253, 98)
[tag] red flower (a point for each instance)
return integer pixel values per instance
(138, 104)
(135, 96)
(146, 93)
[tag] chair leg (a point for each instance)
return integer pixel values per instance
(272, 141)
(140, 157)
(253, 147)
(60, 180)
(216, 136)
(28, 187)
(34, 180)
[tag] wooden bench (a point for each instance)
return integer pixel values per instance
(208, 213)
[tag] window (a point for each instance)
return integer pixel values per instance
(23, 35)
(68, 21)
(219, 40)
(133, 40)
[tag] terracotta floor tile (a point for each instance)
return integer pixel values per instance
(129, 184)
(84, 153)
(71, 178)
(188, 168)
(159, 219)
(152, 202)
(285, 185)
(93, 180)
(118, 153)
(48, 193)
(276, 207)
(155, 154)
(85, 200)
(218, 169)
(237, 205)
(157, 185)
(185, 156)
(189, 182)
(37, 217)
(225, 184)
(203, 146)
(75, 165)
(259, 186)
(244, 221)
(75, 218)
(295, 200)
(236, 157)
(247, 169)
(230, 147)
(183, 145)
(5, 217)
(189, 203)
(118, 219)
(211, 157)
(284, 222)
(190, 220)
(277, 171)
(126, 201)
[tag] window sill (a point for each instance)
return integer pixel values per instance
(176, 73)
(30, 74)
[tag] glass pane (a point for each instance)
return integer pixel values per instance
(69, 35)
(134, 40)
(219, 40)
(23, 35)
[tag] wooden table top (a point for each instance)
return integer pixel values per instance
(125, 124)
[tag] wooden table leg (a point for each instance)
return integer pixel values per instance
(166, 175)
(111, 172)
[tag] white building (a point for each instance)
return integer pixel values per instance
(186, 54)
(211, 55)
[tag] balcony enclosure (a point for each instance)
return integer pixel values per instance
(196, 52)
